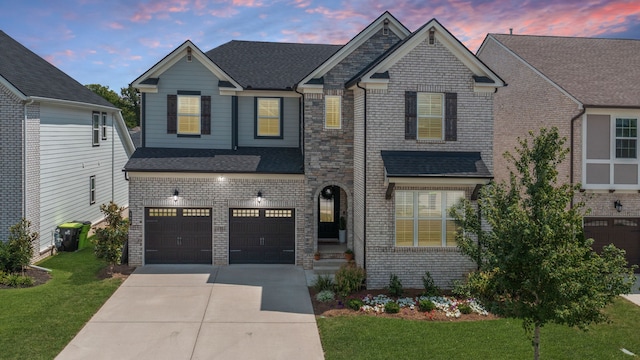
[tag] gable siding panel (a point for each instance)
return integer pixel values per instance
(191, 76)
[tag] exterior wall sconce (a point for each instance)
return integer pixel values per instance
(618, 205)
(259, 198)
(175, 195)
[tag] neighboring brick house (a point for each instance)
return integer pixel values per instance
(253, 151)
(588, 89)
(62, 147)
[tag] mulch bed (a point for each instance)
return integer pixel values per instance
(337, 308)
(39, 277)
(116, 272)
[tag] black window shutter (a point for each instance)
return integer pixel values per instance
(410, 114)
(172, 114)
(451, 117)
(205, 115)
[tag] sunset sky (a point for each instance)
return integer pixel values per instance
(113, 42)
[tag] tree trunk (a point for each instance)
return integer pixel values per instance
(536, 342)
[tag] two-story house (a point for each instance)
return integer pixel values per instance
(62, 147)
(587, 88)
(252, 152)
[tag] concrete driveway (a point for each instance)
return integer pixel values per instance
(204, 312)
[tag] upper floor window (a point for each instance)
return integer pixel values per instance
(332, 112)
(611, 151)
(422, 218)
(626, 138)
(430, 116)
(104, 126)
(189, 114)
(268, 118)
(95, 129)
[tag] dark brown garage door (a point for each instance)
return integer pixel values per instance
(262, 236)
(624, 233)
(178, 236)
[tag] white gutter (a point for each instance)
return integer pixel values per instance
(76, 104)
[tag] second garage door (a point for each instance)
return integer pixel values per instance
(178, 236)
(262, 236)
(624, 233)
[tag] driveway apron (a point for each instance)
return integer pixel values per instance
(203, 312)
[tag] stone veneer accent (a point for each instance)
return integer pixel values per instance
(219, 195)
(426, 68)
(329, 152)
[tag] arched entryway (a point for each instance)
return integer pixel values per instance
(332, 215)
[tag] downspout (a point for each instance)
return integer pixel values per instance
(113, 161)
(364, 157)
(24, 159)
(301, 116)
(573, 120)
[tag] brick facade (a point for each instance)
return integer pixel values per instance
(220, 195)
(385, 131)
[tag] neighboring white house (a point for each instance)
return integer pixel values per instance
(62, 147)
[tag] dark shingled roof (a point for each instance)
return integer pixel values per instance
(267, 65)
(244, 160)
(601, 72)
(434, 164)
(34, 76)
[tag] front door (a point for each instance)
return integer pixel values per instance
(329, 212)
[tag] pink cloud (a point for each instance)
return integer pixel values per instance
(225, 12)
(301, 3)
(247, 3)
(115, 26)
(159, 9)
(150, 43)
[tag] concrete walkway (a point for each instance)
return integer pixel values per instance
(203, 312)
(634, 297)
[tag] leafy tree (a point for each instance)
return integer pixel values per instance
(128, 102)
(534, 261)
(110, 240)
(16, 253)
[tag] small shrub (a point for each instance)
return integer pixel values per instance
(15, 280)
(426, 305)
(465, 309)
(391, 307)
(355, 304)
(16, 253)
(323, 282)
(461, 290)
(325, 296)
(109, 240)
(395, 286)
(349, 279)
(430, 288)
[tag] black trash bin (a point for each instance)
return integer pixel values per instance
(68, 236)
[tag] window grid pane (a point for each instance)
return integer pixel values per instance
(626, 138)
(332, 112)
(268, 117)
(326, 210)
(188, 114)
(430, 116)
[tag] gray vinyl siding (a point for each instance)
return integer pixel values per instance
(187, 76)
(67, 160)
(246, 123)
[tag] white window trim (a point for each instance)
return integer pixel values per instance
(197, 117)
(326, 97)
(92, 189)
(415, 218)
(103, 125)
(442, 134)
(95, 128)
(612, 161)
(279, 118)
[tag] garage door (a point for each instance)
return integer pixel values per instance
(178, 236)
(262, 236)
(624, 233)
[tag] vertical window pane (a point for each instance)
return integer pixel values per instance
(430, 232)
(626, 138)
(326, 210)
(404, 204)
(268, 117)
(189, 114)
(451, 229)
(430, 116)
(430, 204)
(332, 112)
(404, 232)
(96, 129)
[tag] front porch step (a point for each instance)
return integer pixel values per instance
(328, 266)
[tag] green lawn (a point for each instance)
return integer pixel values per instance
(368, 337)
(37, 323)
